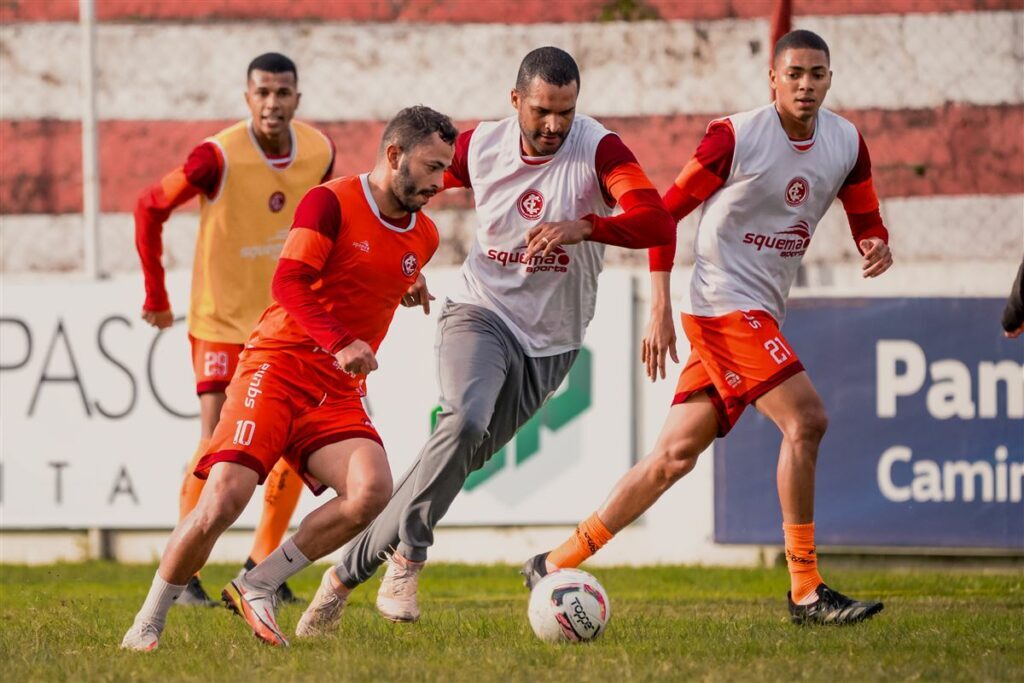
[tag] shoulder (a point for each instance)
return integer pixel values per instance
(743, 120)
(232, 132)
(307, 131)
(839, 124)
(590, 129)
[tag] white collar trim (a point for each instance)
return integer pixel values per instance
(364, 180)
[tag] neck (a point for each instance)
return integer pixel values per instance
(274, 145)
(380, 188)
(797, 129)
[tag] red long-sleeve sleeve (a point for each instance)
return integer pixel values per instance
(299, 271)
(705, 172)
(645, 221)
(201, 173)
(457, 175)
(860, 201)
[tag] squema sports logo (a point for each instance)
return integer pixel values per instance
(556, 262)
(793, 241)
(562, 409)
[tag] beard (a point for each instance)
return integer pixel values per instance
(406, 192)
(539, 143)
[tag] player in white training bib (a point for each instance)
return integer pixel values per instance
(765, 178)
(545, 183)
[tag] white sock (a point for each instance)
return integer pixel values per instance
(160, 599)
(280, 565)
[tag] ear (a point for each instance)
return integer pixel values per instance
(515, 99)
(298, 99)
(393, 155)
(771, 78)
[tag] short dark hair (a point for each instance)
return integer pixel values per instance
(553, 65)
(272, 62)
(413, 125)
(801, 40)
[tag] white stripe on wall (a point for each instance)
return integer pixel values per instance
(369, 71)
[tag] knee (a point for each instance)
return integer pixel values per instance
(809, 425)
(221, 502)
(466, 425)
(673, 461)
(215, 513)
(369, 501)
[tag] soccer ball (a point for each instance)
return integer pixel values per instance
(569, 605)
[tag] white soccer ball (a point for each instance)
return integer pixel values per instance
(569, 605)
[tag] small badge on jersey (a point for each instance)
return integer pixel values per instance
(530, 205)
(796, 191)
(276, 201)
(410, 264)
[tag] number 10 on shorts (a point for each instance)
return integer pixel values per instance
(778, 350)
(244, 431)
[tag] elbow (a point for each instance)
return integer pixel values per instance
(662, 231)
(279, 286)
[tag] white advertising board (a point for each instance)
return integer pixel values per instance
(98, 415)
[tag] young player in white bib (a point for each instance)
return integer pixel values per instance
(545, 183)
(765, 178)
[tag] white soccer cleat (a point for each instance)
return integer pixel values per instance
(258, 607)
(143, 636)
(323, 614)
(396, 599)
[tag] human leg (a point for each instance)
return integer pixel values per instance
(797, 410)
(230, 486)
(472, 365)
(690, 427)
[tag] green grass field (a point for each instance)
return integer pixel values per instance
(64, 622)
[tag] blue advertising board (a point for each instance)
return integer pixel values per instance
(925, 445)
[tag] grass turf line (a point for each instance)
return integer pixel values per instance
(65, 622)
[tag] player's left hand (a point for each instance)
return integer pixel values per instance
(418, 295)
(877, 257)
(546, 237)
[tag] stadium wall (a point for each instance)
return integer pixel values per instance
(942, 118)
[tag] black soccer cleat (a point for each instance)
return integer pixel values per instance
(534, 570)
(832, 607)
(195, 595)
(286, 596)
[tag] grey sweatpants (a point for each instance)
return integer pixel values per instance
(489, 389)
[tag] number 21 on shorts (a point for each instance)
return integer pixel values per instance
(778, 350)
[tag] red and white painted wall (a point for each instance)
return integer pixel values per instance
(937, 88)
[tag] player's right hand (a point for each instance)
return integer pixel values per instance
(159, 319)
(357, 358)
(659, 341)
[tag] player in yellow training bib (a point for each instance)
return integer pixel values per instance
(249, 178)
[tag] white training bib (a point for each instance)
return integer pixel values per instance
(548, 302)
(755, 229)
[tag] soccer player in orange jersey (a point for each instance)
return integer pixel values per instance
(249, 179)
(765, 178)
(354, 252)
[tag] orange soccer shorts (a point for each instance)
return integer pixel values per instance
(285, 403)
(736, 358)
(214, 363)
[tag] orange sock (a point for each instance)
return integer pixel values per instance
(589, 537)
(192, 486)
(281, 494)
(801, 559)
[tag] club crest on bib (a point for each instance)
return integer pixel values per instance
(530, 204)
(796, 191)
(276, 201)
(410, 264)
